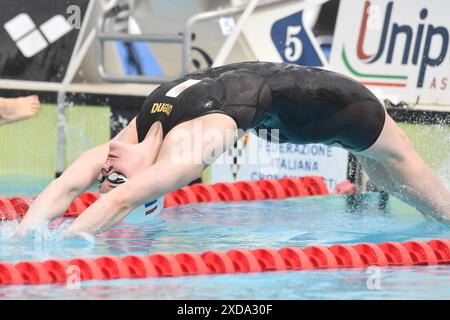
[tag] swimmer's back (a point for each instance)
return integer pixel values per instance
(307, 105)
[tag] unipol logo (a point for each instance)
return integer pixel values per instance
(417, 45)
(31, 39)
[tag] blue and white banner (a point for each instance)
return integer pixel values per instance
(282, 34)
(295, 43)
(256, 159)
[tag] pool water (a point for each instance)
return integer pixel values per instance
(297, 222)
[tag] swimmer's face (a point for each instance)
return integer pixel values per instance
(122, 163)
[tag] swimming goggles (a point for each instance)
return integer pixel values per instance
(113, 177)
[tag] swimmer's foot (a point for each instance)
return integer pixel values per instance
(16, 109)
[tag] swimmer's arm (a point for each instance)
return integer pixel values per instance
(113, 207)
(61, 192)
(176, 167)
(57, 197)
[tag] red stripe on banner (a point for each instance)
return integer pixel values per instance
(383, 84)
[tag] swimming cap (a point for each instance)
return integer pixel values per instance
(145, 212)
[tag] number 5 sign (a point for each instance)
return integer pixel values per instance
(295, 43)
(294, 48)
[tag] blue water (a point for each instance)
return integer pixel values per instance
(222, 226)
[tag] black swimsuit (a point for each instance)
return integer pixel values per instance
(307, 105)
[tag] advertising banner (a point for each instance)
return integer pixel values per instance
(255, 159)
(396, 48)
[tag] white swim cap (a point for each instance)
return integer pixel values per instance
(145, 212)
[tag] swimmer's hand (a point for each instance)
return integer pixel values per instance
(36, 225)
(79, 234)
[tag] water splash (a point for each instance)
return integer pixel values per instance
(444, 170)
(43, 234)
(118, 122)
(8, 229)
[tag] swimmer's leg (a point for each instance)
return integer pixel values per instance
(411, 178)
(16, 109)
(378, 174)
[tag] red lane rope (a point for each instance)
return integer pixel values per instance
(411, 253)
(16, 207)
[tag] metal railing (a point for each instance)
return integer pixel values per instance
(185, 40)
(103, 37)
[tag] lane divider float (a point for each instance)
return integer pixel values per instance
(16, 207)
(410, 253)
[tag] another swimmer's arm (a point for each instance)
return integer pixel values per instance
(160, 179)
(59, 194)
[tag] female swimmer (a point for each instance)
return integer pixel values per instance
(185, 124)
